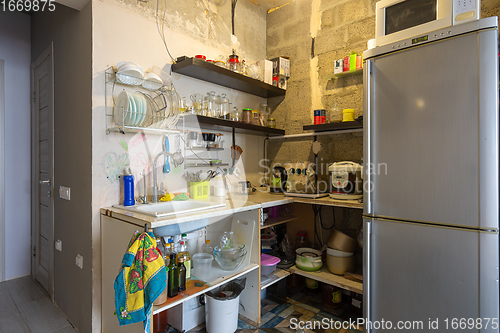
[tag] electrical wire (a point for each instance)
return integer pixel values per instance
(233, 7)
(162, 31)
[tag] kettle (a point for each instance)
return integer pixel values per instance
(279, 180)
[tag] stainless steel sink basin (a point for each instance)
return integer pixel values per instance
(162, 209)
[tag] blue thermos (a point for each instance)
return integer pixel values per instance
(128, 190)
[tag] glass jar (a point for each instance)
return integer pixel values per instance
(247, 116)
(224, 107)
(235, 115)
(234, 63)
(271, 123)
(212, 104)
(301, 240)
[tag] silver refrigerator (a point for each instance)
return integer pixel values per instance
(431, 164)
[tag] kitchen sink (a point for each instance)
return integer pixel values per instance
(162, 209)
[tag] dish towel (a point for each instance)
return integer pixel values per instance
(141, 280)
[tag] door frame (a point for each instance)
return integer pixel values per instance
(48, 52)
(2, 171)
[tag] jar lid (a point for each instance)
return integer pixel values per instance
(247, 109)
(272, 119)
(348, 111)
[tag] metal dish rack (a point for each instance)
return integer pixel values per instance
(162, 112)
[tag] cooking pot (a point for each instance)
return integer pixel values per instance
(346, 180)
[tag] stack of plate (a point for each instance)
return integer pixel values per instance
(130, 109)
(129, 73)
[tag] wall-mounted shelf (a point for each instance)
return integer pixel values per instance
(343, 74)
(219, 124)
(323, 275)
(202, 70)
(348, 125)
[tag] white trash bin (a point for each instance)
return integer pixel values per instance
(221, 315)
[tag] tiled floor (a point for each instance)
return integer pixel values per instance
(301, 303)
(25, 307)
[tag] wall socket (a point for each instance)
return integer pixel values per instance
(79, 261)
(64, 192)
(58, 245)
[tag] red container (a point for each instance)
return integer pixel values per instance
(200, 56)
(346, 64)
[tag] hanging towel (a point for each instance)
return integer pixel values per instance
(141, 280)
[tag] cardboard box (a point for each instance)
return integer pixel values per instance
(267, 69)
(338, 66)
(281, 66)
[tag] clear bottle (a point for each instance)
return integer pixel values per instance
(169, 249)
(184, 253)
(173, 277)
(183, 104)
(182, 274)
(207, 248)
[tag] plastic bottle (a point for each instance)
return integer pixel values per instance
(207, 248)
(173, 277)
(128, 189)
(182, 274)
(184, 253)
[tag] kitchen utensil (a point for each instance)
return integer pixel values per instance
(340, 265)
(341, 242)
(268, 264)
(346, 180)
(202, 265)
(166, 167)
(236, 152)
(337, 253)
(308, 259)
(279, 180)
(197, 100)
(230, 259)
(152, 81)
(121, 109)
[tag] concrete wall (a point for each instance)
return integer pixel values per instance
(15, 41)
(338, 27)
(70, 30)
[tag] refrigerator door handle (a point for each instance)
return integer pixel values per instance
(366, 273)
(367, 123)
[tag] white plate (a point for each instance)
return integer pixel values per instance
(144, 107)
(121, 103)
(132, 113)
(139, 117)
(131, 76)
(152, 81)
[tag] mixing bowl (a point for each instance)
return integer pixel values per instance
(230, 259)
(308, 259)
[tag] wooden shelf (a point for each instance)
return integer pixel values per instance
(343, 74)
(219, 124)
(200, 69)
(348, 125)
(272, 221)
(195, 287)
(327, 201)
(278, 274)
(325, 276)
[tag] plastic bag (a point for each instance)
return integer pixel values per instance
(230, 290)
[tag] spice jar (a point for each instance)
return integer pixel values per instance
(271, 123)
(255, 117)
(247, 116)
(234, 63)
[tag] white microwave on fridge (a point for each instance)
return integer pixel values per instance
(400, 19)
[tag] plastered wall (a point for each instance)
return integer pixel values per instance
(127, 31)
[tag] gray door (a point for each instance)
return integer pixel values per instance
(419, 272)
(433, 123)
(43, 169)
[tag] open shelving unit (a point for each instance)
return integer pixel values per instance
(323, 275)
(196, 287)
(209, 72)
(278, 275)
(332, 127)
(344, 74)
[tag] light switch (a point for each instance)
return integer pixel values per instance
(58, 245)
(64, 192)
(79, 261)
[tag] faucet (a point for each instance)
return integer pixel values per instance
(155, 177)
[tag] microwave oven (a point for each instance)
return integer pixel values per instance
(401, 19)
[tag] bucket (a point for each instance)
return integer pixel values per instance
(221, 315)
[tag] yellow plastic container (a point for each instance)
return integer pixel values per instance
(199, 190)
(348, 115)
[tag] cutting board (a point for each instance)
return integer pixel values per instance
(243, 233)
